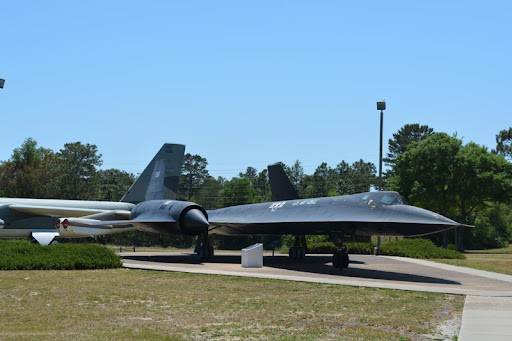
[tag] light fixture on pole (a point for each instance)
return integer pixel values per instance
(381, 106)
(2, 82)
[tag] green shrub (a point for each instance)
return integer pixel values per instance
(23, 255)
(322, 247)
(418, 248)
(493, 228)
(413, 248)
(353, 248)
(360, 248)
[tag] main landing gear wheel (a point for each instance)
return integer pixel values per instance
(297, 252)
(299, 249)
(340, 259)
(204, 249)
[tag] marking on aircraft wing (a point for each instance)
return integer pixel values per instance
(275, 205)
(157, 174)
(305, 202)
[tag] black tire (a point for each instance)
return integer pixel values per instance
(292, 252)
(345, 261)
(200, 253)
(336, 260)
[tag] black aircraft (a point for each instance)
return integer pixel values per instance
(342, 217)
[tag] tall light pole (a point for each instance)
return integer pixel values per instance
(381, 106)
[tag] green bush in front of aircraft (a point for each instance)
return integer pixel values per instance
(23, 255)
(406, 247)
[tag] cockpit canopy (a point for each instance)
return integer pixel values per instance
(383, 198)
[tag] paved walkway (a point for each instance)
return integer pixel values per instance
(487, 311)
(486, 318)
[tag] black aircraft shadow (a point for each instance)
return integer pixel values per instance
(311, 264)
(322, 265)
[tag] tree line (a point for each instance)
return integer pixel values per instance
(70, 173)
(433, 170)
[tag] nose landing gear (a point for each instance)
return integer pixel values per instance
(340, 259)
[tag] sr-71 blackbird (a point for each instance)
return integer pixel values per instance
(364, 214)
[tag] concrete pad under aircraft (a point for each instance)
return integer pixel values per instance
(366, 271)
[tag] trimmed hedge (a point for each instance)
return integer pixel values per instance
(360, 248)
(23, 255)
(321, 248)
(418, 248)
(353, 248)
(413, 248)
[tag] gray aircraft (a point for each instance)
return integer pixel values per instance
(363, 214)
(41, 220)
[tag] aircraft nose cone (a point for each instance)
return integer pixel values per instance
(195, 220)
(412, 214)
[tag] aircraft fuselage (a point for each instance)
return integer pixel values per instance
(372, 213)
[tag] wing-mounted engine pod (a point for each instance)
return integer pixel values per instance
(194, 220)
(170, 216)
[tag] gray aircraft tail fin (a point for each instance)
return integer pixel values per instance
(156, 185)
(160, 178)
(280, 185)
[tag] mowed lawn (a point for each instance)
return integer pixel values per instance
(126, 304)
(496, 260)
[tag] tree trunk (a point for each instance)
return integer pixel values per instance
(460, 229)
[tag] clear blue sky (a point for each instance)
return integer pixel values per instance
(248, 83)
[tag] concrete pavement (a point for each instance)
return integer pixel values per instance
(486, 318)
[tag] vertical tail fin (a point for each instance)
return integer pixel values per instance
(156, 185)
(280, 185)
(160, 178)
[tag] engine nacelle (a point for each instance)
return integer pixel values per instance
(170, 216)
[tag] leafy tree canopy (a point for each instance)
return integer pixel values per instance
(79, 169)
(405, 136)
(504, 143)
(442, 174)
(193, 174)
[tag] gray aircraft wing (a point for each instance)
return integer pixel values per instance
(54, 211)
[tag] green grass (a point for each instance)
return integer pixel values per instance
(135, 304)
(495, 260)
(23, 255)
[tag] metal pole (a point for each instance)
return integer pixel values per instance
(380, 154)
(380, 160)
